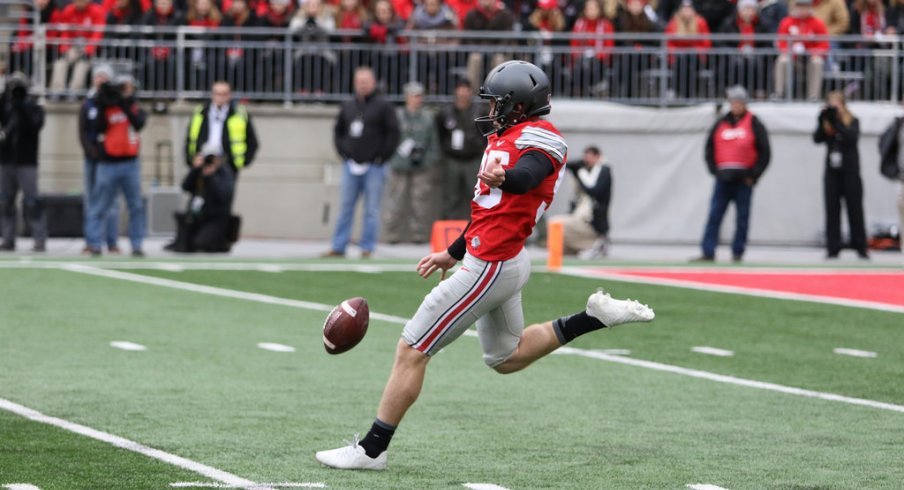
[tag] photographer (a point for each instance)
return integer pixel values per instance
(413, 196)
(205, 225)
(119, 168)
(586, 228)
(21, 120)
(840, 131)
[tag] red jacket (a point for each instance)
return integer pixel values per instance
(700, 45)
(598, 45)
(461, 9)
(806, 27)
(93, 15)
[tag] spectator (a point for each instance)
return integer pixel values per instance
(383, 31)
(714, 12)
(159, 70)
(490, 16)
(123, 13)
(462, 147)
(687, 55)
(892, 165)
(413, 198)
(202, 61)
(586, 228)
(223, 129)
(351, 15)
(21, 56)
(746, 67)
(802, 27)
(119, 167)
(21, 121)
(590, 56)
(460, 9)
(548, 19)
(840, 131)
(834, 14)
(385, 24)
(403, 8)
(141, 6)
(365, 135)
(628, 65)
(433, 15)
(876, 23)
(207, 224)
(272, 59)
(771, 14)
(88, 120)
(737, 154)
(315, 67)
(77, 46)
(239, 63)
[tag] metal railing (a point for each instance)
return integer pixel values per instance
(289, 67)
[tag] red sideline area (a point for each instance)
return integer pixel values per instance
(879, 287)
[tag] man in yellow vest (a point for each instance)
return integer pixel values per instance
(221, 128)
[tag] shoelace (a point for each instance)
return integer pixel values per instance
(353, 443)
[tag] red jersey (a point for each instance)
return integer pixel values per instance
(501, 221)
(807, 28)
(735, 145)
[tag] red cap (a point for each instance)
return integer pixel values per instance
(547, 4)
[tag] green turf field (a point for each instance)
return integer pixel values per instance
(204, 391)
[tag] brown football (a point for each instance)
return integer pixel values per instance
(346, 325)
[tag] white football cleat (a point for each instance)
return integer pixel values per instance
(351, 457)
(614, 312)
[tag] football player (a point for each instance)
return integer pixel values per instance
(522, 168)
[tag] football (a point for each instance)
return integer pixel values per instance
(346, 325)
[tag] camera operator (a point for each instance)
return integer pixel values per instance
(119, 168)
(840, 131)
(205, 225)
(21, 120)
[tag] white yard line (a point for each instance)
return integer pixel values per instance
(193, 466)
(20, 486)
(712, 351)
(285, 484)
(855, 352)
(262, 298)
(125, 345)
(704, 486)
(762, 293)
(270, 346)
(483, 486)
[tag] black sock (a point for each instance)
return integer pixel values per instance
(569, 328)
(377, 439)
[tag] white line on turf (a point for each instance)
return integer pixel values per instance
(483, 486)
(285, 484)
(762, 293)
(262, 298)
(855, 352)
(20, 486)
(125, 345)
(712, 351)
(275, 347)
(617, 352)
(704, 486)
(213, 266)
(194, 466)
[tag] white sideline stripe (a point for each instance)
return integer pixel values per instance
(270, 268)
(275, 347)
(616, 352)
(762, 293)
(133, 446)
(285, 484)
(20, 486)
(483, 486)
(855, 352)
(704, 486)
(712, 351)
(172, 267)
(262, 298)
(125, 345)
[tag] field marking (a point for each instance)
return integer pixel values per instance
(712, 351)
(704, 486)
(126, 345)
(213, 266)
(616, 352)
(20, 486)
(761, 293)
(483, 486)
(273, 300)
(285, 484)
(855, 352)
(120, 442)
(274, 347)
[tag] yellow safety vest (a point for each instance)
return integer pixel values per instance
(236, 129)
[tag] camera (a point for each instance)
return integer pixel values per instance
(109, 93)
(210, 159)
(17, 87)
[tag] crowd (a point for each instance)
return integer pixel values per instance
(590, 62)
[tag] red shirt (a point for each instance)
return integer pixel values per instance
(92, 15)
(807, 27)
(403, 8)
(698, 44)
(734, 146)
(461, 9)
(597, 45)
(501, 221)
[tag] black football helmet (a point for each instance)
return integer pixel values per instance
(510, 84)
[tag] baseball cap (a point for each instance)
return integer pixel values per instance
(736, 92)
(746, 3)
(103, 69)
(414, 88)
(547, 4)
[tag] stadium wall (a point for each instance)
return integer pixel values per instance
(661, 187)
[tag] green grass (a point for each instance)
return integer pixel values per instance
(203, 391)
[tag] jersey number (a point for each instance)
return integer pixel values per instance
(491, 200)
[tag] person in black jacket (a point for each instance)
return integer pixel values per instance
(586, 229)
(462, 148)
(206, 224)
(840, 131)
(366, 135)
(21, 120)
(747, 68)
(223, 128)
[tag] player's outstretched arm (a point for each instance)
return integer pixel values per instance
(436, 261)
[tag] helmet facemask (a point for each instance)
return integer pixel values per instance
(503, 113)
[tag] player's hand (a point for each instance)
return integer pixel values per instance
(494, 175)
(435, 261)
